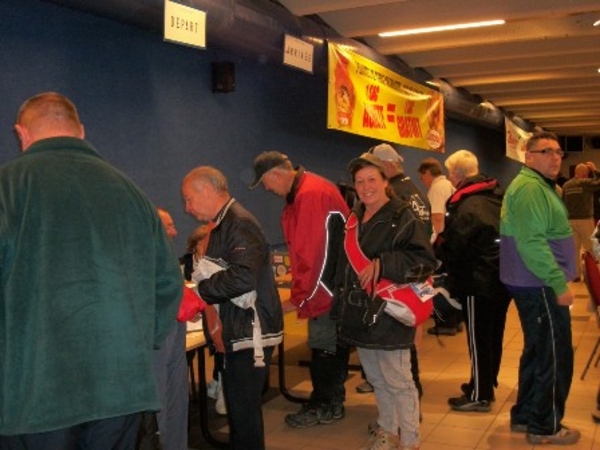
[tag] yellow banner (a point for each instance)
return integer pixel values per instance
(366, 98)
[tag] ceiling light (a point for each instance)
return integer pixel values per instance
(597, 23)
(458, 26)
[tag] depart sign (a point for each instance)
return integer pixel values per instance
(184, 25)
(367, 99)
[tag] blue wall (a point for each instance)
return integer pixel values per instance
(148, 107)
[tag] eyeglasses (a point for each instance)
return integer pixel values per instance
(549, 151)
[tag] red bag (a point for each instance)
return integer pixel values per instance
(191, 304)
(409, 303)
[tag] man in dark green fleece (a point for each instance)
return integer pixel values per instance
(89, 285)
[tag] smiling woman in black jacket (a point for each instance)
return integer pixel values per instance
(397, 246)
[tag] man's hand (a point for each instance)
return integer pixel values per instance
(565, 299)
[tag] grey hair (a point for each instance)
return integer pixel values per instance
(209, 175)
(462, 163)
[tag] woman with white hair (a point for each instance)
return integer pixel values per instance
(469, 251)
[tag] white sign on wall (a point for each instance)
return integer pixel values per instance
(184, 25)
(297, 53)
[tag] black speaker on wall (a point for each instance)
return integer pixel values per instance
(223, 76)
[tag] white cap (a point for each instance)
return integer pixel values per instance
(386, 152)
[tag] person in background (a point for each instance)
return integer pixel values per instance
(403, 186)
(469, 250)
(170, 369)
(537, 260)
(439, 190)
(405, 189)
(596, 252)
(76, 356)
(578, 195)
(167, 222)
(312, 218)
(396, 243)
(250, 334)
(196, 248)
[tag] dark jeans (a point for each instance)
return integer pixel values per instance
(328, 363)
(328, 373)
(546, 366)
(243, 387)
(170, 370)
(118, 433)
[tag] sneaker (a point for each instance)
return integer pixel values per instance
(220, 407)
(464, 403)
(518, 427)
(381, 441)
(442, 331)
(565, 436)
(212, 388)
(364, 388)
(338, 411)
(467, 390)
(309, 416)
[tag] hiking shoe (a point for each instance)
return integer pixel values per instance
(442, 331)
(518, 427)
(364, 388)
(467, 390)
(464, 403)
(338, 411)
(565, 436)
(309, 416)
(381, 440)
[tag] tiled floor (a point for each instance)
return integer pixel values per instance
(444, 365)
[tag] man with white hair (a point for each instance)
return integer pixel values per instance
(469, 249)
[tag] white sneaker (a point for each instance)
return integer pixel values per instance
(212, 389)
(220, 407)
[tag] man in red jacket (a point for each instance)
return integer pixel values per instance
(314, 208)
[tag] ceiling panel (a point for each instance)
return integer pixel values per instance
(542, 64)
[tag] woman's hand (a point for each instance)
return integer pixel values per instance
(369, 275)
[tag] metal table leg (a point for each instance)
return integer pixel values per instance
(203, 402)
(281, 371)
